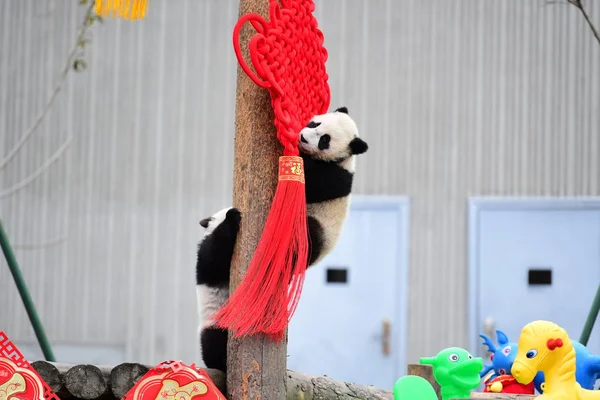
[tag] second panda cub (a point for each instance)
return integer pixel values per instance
(328, 146)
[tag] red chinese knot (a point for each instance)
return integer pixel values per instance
(288, 56)
(289, 59)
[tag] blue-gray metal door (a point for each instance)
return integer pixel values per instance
(538, 264)
(348, 324)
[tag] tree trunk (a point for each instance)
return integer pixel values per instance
(308, 387)
(256, 366)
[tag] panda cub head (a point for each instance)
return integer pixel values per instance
(229, 214)
(216, 247)
(332, 137)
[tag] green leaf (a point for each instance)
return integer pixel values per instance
(79, 65)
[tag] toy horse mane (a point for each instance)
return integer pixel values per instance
(545, 329)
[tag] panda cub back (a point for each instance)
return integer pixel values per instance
(212, 281)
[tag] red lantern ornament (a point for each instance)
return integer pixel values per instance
(18, 379)
(288, 56)
(173, 380)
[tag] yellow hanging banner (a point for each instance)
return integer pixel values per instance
(128, 9)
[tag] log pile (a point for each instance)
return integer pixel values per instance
(91, 382)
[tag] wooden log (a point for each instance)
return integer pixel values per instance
(53, 377)
(256, 366)
(124, 376)
(119, 379)
(426, 372)
(308, 387)
(86, 382)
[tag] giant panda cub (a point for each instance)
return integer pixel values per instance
(328, 145)
(212, 281)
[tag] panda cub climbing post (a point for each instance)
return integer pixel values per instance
(328, 145)
(212, 281)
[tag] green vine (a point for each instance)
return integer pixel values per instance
(77, 56)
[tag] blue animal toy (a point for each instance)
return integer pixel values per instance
(502, 356)
(587, 369)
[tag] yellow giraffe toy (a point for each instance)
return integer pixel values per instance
(545, 346)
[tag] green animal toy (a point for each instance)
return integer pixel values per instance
(411, 387)
(454, 369)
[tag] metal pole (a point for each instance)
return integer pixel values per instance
(25, 296)
(591, 319)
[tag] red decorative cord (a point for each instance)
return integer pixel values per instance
(289, 58)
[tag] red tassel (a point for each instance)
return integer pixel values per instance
(268, 295)
(288, 57)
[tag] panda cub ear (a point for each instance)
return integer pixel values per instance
(342, 110)
(358, 146)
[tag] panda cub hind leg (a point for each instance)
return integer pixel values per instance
(212, 276)
(212, 281)
(316, 238)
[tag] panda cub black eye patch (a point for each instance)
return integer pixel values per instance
(324, 142)
(313, 124)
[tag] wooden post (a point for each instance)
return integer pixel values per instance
(426, 372)
(256, 367)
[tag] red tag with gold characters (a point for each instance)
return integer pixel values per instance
(291, 168)
(18, 379)
(173, 380)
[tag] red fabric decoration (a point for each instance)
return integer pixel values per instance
(288, 56)
(18, 379)
(508, 384)
(173, 380)
(554, 343)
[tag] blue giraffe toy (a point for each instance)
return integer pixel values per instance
(587, 369)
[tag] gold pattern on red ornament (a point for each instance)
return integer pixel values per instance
(173, 380)
(291, 168)
(18, 379)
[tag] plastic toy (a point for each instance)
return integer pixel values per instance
(507, 384)
(545, 346)
(456, 371)
(587, 365)
(413, 387)
(587, 370)
(502, 356)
